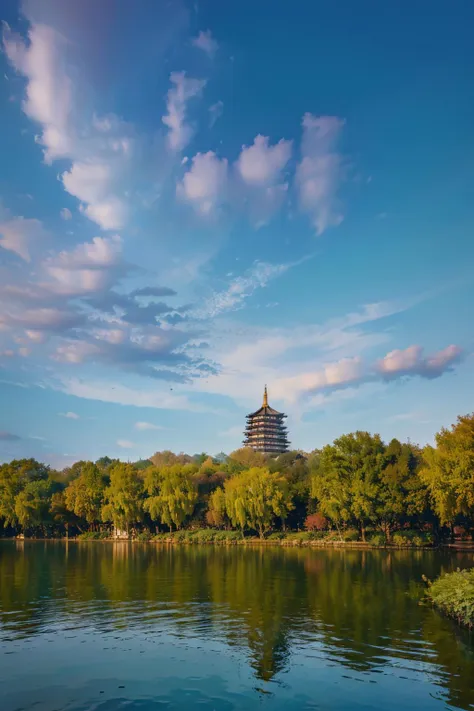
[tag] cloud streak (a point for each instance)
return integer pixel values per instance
(206, 43)
(320, 171)
(182, 91)
(8, 436)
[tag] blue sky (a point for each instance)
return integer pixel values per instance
(200, 198)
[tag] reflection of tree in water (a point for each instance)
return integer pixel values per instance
(364, 603)
(357, 607)
(257, 595)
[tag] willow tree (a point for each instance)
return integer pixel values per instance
(123, 497)
(216, 511)
(254, 498)
(14, 477)
(172, 494)
(448, 471)
(32, 505)
(84, 495)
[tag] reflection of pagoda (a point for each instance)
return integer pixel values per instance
(265, 430)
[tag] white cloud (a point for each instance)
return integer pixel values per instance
(206, 42)
(41, 319)
(331, 375)
(101, 252)
(125, 443)
(20, 235)
(412, 362)
(183, 89)
(215, 112)
(320, 171)
(35, 336)
(48, 92)
(261, 164)
(75, 352)
(240, 288)
(140, 396)
(100, 151)
(90, 183)
(204, 184)
(70, 415)
(142, 426)
(88, 268)
(66, 214)
(292, 358)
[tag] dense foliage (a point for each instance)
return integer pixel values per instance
(357, 488)
(453, 594)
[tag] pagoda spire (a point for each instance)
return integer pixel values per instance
(265, 397)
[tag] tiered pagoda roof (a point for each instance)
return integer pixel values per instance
(265, 430)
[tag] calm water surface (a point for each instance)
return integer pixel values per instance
(106, 626)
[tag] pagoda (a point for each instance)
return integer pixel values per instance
(265, 430)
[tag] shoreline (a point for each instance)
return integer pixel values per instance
(466, 546)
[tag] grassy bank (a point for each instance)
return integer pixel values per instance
(295, 538)
(453, 595)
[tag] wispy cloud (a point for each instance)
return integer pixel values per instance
(99, 151)
(143, 426)
(215, 112)
(234, 295)
(206, 42)
(20, 235)
(140, 395)
(125, 444)
(8, 436)
(70, 415)
(182, 91)
(320, 171)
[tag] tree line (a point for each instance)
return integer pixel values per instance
(357, 488)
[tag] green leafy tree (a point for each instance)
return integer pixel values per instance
(255, 497)
(166, 458)
(244, 458)
(123, 497)
(13, 478)
(60, 514)
(346, 479)
(172, 495)
(293, 466)
(331, 486)
(448, 471)
(32, 504)
(401, 495)
(85, 493)
(216, 512)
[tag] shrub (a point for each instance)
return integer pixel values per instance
(412, 538)
(276, 536)
(227, 536)
(316, 522)
(94, 535)
(299, 536)
(205, 535)
(453, 594)
(378, 539)
(143, 536)
(161, 537)
(183, 536)
(351, 534)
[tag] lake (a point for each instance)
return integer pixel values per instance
(106, 626)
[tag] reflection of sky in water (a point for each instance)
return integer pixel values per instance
(108, 627)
